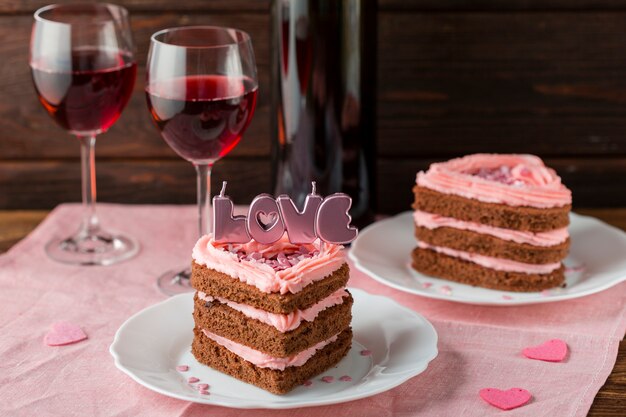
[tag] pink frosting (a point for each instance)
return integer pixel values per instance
(263, 360)
(494, 263)
(282, 322)
(225, 258)
(515, 180)
(433, 221)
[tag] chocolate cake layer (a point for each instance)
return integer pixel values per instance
(217, 284)
(224, 321)
(469, 241)
(499, 215)
(443, 266)
(218, 357)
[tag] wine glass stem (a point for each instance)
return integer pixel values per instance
(204, 198)
(90, 225)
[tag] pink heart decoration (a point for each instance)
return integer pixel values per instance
(553, 350)
(267, 220)
(64, 333)
(505, 400)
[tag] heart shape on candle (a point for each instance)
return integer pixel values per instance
(505, 400)
(553, 350)
(267, 220)
(64, 333)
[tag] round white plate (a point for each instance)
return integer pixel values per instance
(150, 344)
(597, 261)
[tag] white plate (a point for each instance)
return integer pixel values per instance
(150, 344)
(597, 261)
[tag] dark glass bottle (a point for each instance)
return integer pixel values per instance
(323, 106)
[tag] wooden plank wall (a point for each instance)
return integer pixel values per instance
(454, 77)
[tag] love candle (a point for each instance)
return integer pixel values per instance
(268, 219)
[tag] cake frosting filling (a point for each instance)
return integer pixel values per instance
(498, 264)
(280, 267)
(514, 180)
(263, 360)
(433, 221)
(282, 322)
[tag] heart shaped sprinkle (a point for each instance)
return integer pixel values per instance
(267, 220)
(64, 333)
(182, 368)
(193, 380)
(505, 400)
(554, 350)
(328, 379)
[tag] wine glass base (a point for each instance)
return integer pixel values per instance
(175, 282)
(98, 249)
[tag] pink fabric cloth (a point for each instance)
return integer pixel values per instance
(479, 346)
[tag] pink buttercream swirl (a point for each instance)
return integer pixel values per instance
(433, 221)
(515, 180)
(283, 322)
(263, 360)
(494, 263)
(280, 267)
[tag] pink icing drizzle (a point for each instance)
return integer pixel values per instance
(228, 259)
(283, 322)
(515, 180)
(494, 263)
(264, 360)
(551, 238)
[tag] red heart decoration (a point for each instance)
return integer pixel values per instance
(553, 350)
(64, 333)
(505, 400)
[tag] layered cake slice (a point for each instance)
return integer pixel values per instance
(270, 315)
(492, 220)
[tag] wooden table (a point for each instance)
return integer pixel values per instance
(610, 401)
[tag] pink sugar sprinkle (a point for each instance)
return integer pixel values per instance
(366, 352)
(546, 293)
(204, 392)
(507, 297)
(328, 379)
(202, 386)
(427, 284)
(346, 378)
(307, 383)
(192, 379)
(182, 368)
(446, 289)
(500, 174)
(279, 261)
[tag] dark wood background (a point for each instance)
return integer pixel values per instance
(539, 76)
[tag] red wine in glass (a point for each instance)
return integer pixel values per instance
(90, 97)
(202, 117)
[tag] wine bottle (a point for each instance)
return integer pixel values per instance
(323, 106)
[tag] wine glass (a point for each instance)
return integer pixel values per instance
(82, 64)
(201, 88)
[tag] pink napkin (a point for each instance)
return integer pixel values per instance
(479, 347)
